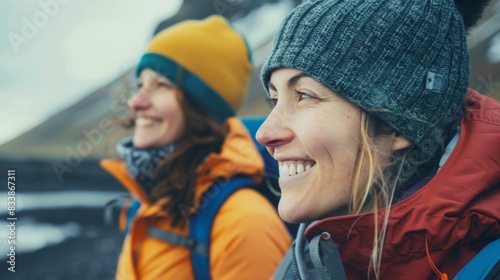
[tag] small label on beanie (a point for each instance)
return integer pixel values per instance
(433, 81)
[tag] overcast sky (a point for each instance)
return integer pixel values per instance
(54, 52)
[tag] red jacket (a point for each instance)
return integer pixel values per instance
(458, 211)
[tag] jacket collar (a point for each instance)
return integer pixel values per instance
(238, 156)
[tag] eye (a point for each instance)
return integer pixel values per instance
(271, 102)
(165, 84)
(303, 96)
(139, 85)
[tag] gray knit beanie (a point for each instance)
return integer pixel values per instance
(404, 60)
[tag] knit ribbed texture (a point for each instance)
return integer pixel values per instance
(405, 60)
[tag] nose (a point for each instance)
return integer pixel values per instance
(274, 132)
(139, 101)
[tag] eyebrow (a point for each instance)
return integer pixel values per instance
(291, 82)
(158, 78)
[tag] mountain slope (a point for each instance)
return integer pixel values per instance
(85, 128)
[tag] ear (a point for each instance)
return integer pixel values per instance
(399, 142)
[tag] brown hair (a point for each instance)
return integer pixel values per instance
(177, 172)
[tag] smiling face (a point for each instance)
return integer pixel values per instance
(156, 110)
(314, 134)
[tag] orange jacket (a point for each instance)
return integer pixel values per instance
(248, 238)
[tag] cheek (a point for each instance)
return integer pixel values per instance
(168, 108)
(175, 123)
(171, 112)
(335, 151)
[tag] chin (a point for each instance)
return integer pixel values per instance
(293, 215)
(141, 143)
(139, 146)
(296, 213)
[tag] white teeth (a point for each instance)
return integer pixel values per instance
(284, 171)
(143, 122)
(300, 168)
(287, 170)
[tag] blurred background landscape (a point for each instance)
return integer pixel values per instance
(64, 78)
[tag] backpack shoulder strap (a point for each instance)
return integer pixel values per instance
(133, 207)
(287, 269)
(270, 164)
(121, 211)
(481, 265)
(200, 224)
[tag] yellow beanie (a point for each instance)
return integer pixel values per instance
(207, 59)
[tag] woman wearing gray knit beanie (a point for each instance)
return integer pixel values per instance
(387, 158)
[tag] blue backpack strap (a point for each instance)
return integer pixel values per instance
(131, 212)
(178, 240)
(113, 211)
(200, 225)
(270, 164)
(481, 265)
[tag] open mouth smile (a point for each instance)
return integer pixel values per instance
(292, 168)
(144, 122)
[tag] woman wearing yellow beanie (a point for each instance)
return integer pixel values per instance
(192, 79)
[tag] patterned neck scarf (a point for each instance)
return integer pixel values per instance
(142, 163)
